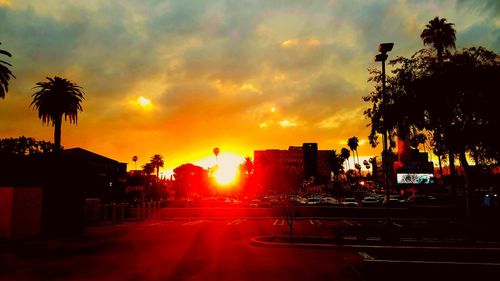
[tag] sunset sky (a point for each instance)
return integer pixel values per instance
(179, 78)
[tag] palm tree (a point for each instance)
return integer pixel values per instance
(248, 165)
(353, 144)
(440, 35)
(157, 162)
(56, 98)
(345, 154)
(5, 74)
(334, 162)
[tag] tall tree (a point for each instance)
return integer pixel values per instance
(345, 154)
(54, 99)
(157, 162)
(353, 144)
(440, 35)
(5, 73)
(334, 162)
(247, 166)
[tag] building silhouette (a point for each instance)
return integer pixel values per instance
(275, 168)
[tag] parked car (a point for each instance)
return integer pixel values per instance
(422, 199)
(297, 199)
(255, 203)
(350, 202)
(329, 201)
(370, 201)
(394, 201)
(313, 201)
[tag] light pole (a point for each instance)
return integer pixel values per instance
(384, 48)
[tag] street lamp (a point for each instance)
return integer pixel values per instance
(384, 48)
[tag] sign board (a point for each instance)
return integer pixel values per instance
(415, 178)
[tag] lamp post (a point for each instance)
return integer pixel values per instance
(384, 48)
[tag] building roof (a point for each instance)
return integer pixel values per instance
(80, 152)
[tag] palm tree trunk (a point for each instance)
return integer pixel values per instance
(440, 167)
(453, 173)
(468, 194)
(57, 132)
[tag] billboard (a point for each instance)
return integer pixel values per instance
(415, 178)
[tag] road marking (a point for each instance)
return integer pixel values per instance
(318, 222)
(236, 222)
(158, 223)
(279, 222)
(408, 239)
(433, 262)
(373, 239)
(193, 222)
(365, 256)
(351, 223)
(350, 238)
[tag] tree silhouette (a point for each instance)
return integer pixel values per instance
(353, 144)
(54, 99)
(157, 162)
(440, 35)
(5, 73)
(334, 162)
(345, 154)
(247, 165)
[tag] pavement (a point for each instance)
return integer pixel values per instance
(242, 248)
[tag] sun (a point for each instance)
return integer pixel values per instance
(225, 174)
(144, 102)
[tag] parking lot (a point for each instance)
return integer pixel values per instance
(202, 248)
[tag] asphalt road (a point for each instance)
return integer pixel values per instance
(178, 249)
(202, 248)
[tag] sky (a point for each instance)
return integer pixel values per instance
(178, 78)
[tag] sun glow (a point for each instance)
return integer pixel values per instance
(224, 168)
(225, 174)
(144, 102)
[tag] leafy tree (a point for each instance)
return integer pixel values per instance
(5, 73)
(192, 179)
(25, 146)
(54, 99)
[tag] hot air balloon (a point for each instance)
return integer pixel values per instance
(135, 158)
(216, 153)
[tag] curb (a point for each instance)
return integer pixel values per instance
(260, 242)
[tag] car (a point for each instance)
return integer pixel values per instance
(370, 201)
(297, 200)
(421, 199)
(329, 201)
(394, 200)
(255, 203)
(313, 201)
(350, 202)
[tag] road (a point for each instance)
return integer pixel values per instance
(177, 249)
(203, 248)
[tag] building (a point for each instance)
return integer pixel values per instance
(105, 176)
(276, 168)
